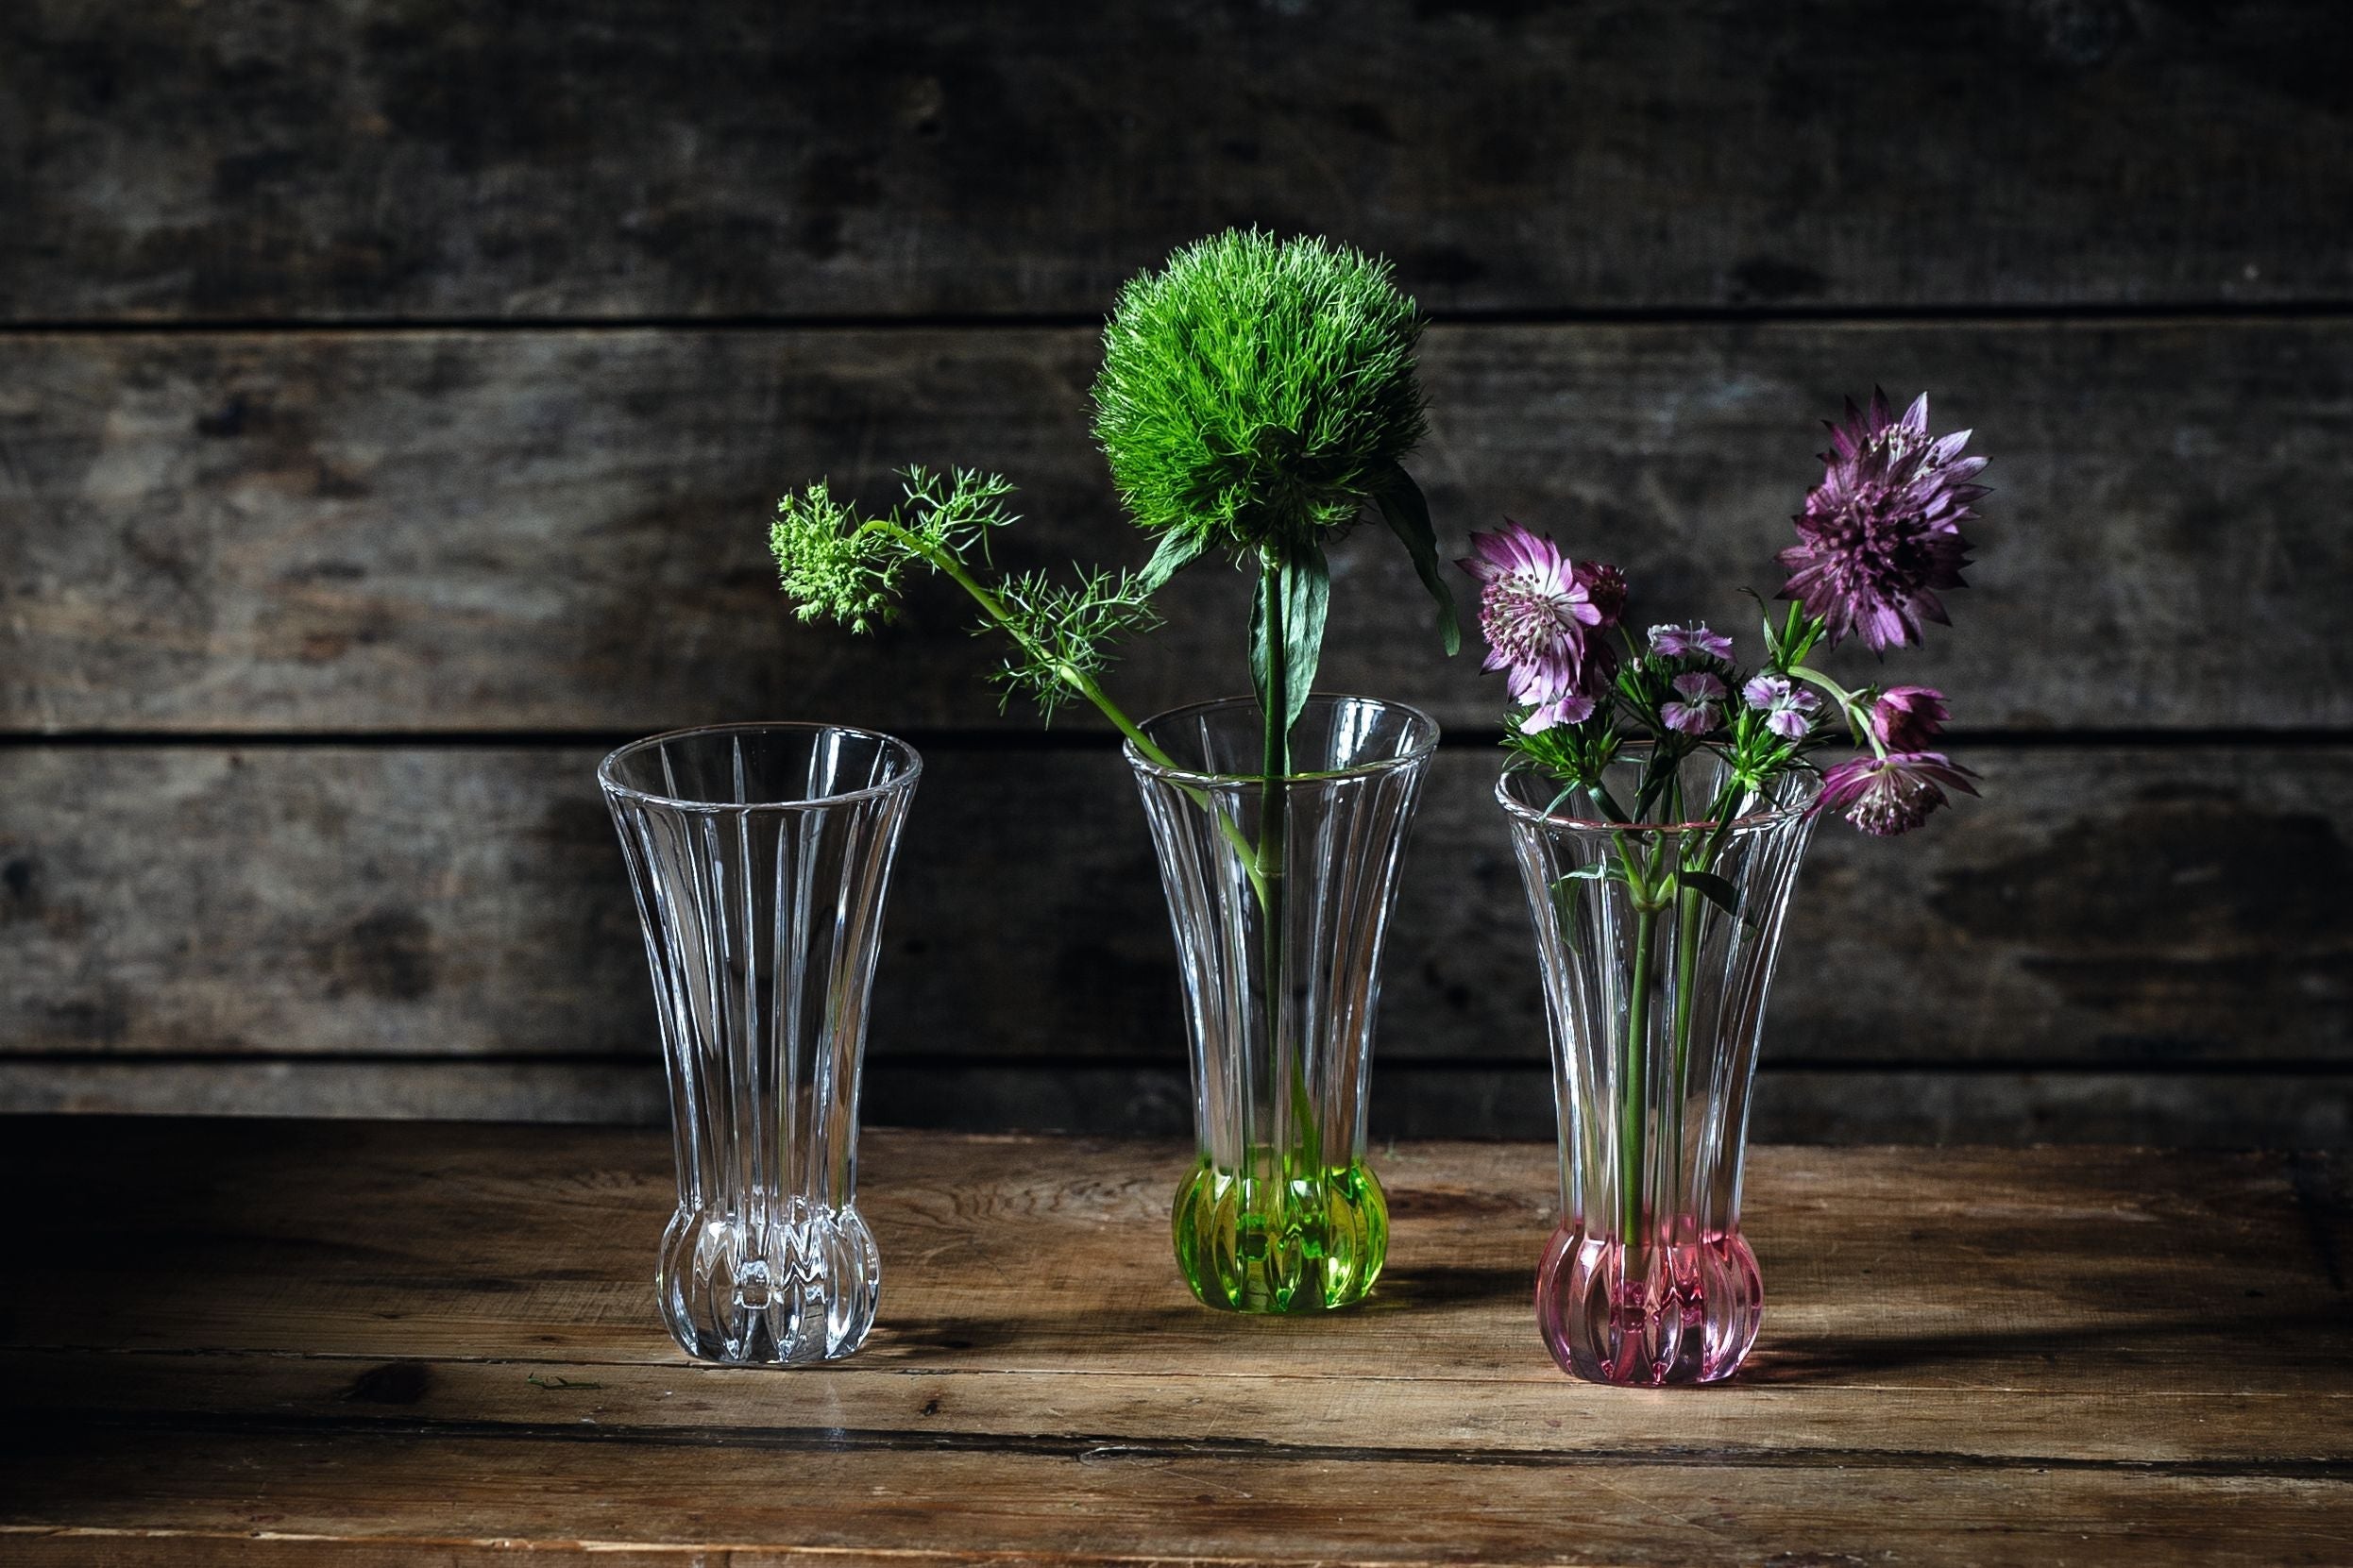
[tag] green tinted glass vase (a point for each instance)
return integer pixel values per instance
(1279, 893)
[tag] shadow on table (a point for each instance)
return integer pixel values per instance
(1409, 1289)
(2138, 1341)
(1414, 1287)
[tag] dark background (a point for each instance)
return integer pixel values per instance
(393, 393)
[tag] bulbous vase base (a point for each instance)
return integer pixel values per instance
(1669, 1313)
(1299, 1241)
(797, 1287)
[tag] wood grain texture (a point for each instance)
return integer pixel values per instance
(2085, 1355)
(2100, 907)
(400, 158)
(567, 530)
(2265, 1107)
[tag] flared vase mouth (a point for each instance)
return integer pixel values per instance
(1420, 741)
(1802, 787)
(903, 765)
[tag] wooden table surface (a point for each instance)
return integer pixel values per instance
(269, 1342)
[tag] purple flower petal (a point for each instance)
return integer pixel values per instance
(1894, 794)
(1534, 608)
(1880, 535)
(1906, 718)
(1690, 718)
(1573, 709)
(1683, 642)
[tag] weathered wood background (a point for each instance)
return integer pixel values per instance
(391, 394)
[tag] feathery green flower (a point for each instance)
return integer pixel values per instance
(834, 564)
(830, 564)
(1257, 393)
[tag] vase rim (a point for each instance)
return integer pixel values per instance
(1425, 742)
(1771, 816)
(609, 781)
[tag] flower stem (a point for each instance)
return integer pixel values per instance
(1688, 916)
(1858, 721)
(1071, 676)
(1633, 1088)
(1274, 813)
(1074, 677)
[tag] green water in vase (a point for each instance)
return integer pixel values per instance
(1283, 1235)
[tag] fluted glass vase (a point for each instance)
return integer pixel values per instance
(1657, 941)
(1280, 892)
(760, 855)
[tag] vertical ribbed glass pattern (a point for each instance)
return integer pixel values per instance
(1279, 898)
(1656, 1007)
(760, 855)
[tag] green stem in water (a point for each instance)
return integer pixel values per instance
(1631, 1087)
(1274, 811)
(1689, 912)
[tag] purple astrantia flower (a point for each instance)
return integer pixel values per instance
(1880, 536)
(1788, 708)
(1605, 589)
(1681, 642)
(1885, 796)
(1695, 714)
(1534, 607)
(1906, 718)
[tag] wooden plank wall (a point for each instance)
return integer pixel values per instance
(391, 396)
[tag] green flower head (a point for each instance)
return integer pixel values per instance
(1258, 393)
(830, 564)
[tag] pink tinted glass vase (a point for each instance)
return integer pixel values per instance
(1656, 942)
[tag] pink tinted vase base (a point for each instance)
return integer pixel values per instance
(1682, 1312)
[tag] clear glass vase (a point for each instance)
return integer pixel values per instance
(1656, 943)
(760, 855)
(1279, 894)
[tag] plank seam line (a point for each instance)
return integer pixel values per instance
(1097, 1449)
(635, 1061)
(701, 1551)
(2220, 312)
(1462, 738)
(1536, 1380)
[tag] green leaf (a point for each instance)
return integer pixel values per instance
(1306, 597)
(1718, 891)
(1567, 895)
(1305, 583)
(1258, 640)
(1722, 894)
(1407, 512)
(1177, 550)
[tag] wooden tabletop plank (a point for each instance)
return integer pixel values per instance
(452, 531)
(2083, 1270)
(571, 1493)
(2103, 908)
(382, 1338)
(1774, 1415)
(400, 158)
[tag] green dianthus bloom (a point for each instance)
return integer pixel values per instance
(1258, 393)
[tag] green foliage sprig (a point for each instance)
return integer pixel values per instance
(834, 564)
